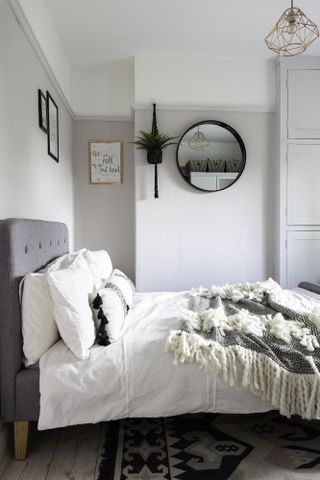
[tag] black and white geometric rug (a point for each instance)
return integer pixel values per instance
(212, 447)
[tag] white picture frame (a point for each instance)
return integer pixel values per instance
(105, 162)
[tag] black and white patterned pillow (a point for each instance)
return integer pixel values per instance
(126, 286)
(110, 308)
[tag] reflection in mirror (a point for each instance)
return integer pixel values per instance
(211, 156)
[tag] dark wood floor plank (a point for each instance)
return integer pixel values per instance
(71, 453)
(40, 456)
(4, 463)
(36, 465)
(14, 470)
(75, 457)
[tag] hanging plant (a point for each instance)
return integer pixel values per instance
(154, 142)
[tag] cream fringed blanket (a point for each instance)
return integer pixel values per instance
(258, 335)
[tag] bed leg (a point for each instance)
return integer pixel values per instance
(21, 435)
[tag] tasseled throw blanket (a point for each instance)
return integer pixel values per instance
(258, 335)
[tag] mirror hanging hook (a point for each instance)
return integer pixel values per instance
(154, 121)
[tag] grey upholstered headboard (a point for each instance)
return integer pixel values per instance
(25, 246)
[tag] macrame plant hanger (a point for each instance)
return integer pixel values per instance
(155, 132)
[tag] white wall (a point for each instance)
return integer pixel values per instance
(36, 15)
(112, 89)
(188, 238)
(214, 82)
(104, 214)
(32, 184)
(109, 90)
(106, 91)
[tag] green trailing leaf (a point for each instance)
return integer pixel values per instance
(148, 140)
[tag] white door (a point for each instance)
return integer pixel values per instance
(303, 257)
(304, 103)
(303, 184)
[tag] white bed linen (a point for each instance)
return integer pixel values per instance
(134, 377)
(306, 293)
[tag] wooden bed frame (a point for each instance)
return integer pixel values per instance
(25, 246)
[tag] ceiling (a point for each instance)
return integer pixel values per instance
(94, 32)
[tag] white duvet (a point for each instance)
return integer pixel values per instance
(134, 377)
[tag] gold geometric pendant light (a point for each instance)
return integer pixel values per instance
(292, 34)
(198, 141)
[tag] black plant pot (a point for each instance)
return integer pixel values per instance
(154, 155)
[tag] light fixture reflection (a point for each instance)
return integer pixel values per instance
(198, 141)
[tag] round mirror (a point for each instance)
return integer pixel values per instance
(211, 156)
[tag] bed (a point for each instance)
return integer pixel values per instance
(131, 378)
(25, 246)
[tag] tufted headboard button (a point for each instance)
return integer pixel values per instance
(40, 245)
(26, 249)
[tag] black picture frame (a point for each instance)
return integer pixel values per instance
(53, 127)
(42, 111)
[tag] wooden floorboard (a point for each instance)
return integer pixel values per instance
(4, 463)
(41, 451)
(75, 457)
(71, 453)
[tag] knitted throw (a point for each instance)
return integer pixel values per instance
(258, 335)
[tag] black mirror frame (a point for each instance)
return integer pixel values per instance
(234, 133)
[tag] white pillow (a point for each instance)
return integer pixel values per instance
(111, 307)
(62, 262)
(125, 284)
(100, 266)
(69, 292)
(39, 329)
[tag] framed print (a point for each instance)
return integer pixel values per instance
(105, 162)
(53, 128)
(42, 111)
